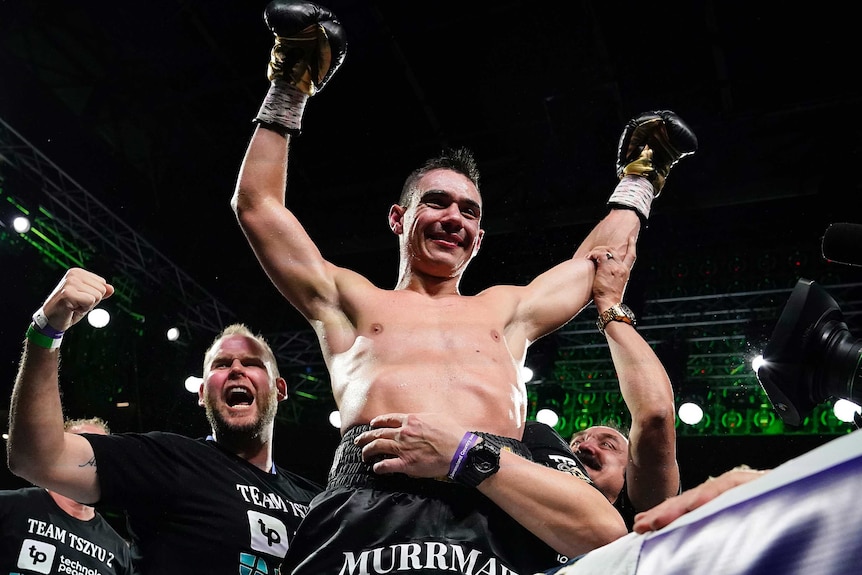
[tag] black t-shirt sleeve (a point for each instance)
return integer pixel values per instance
(551, 450)
(135, 469)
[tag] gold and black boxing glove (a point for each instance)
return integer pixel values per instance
(309, 47)
(650, 145)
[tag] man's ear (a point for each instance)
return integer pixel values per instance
(281, 386)
(478, 242)
(396, 219)
(201, 394)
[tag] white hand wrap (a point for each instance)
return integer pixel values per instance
(635, 192)
(283, 106)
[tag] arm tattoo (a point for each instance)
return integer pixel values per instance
(90, 463)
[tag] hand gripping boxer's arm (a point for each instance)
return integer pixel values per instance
(564, 511)
(309, 47)
(652, 473)
(38, 449)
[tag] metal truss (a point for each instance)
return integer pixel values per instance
(78, 223)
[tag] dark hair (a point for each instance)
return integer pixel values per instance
(458, 160)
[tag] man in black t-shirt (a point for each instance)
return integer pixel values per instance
(44, 532)
(217, 505)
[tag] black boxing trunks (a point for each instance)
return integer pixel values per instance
(369, 524)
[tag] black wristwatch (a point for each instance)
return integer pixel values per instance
(481, 462)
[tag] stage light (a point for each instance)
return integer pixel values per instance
(193, 383)
(526, 374)
(846, 410)
(690, 413)
(582, 422)
(548, 417)
(335, 419)
(764, 418)
(173, 334)
(732, 420)
(756, 362)
(21, 224)
(811, 355)
(99, 317)
(586, 399)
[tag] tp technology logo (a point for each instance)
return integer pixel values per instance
(36, 556)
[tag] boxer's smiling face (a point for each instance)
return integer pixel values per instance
(439, 228)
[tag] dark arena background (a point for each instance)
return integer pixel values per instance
(122, 129)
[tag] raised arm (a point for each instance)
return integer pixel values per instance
(308, 49)
(39, 450)
(650, 145)
(562, 509)
(652, 473)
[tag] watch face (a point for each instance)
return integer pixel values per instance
(485, 461)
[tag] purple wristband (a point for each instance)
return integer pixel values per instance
(466, 443)
(40, 324)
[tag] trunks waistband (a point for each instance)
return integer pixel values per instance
(348, 469)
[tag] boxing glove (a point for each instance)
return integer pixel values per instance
(651, 144)
(309, 47)
(309, 44)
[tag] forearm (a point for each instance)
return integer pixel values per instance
(36, 414)
(613, 231)
(644, 382)
(263, 174)
(565, 512)
(653, 471)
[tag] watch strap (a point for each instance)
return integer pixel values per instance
(617, 312)
(482, 461)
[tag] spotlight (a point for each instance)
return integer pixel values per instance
(173, 334)
(846, 411)
(335, 419)
(99, 317)
(548, 417)
(21, 224)
(690, 413)
(193, 383)
(811, 355)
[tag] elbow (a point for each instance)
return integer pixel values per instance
(658, 420)
(17, 464)
(246, 196)
(599, 534)
(609, 530)
(237, 205)
(242, 210)
(250, 212)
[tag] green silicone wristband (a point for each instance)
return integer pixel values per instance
(41, 339)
